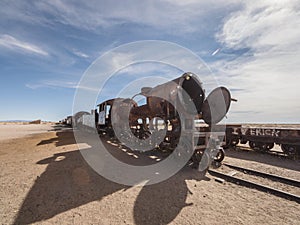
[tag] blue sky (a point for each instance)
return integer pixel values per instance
(252, 47)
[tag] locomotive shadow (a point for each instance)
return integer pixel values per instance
(59, 127)
(264, 158)
(63, 137)
(68, 182)
(161, 203)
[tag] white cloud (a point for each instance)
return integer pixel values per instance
(263, 25)
(18, 45)
(80, 54)
(269, 71)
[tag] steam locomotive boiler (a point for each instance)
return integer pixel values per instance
(171, 112)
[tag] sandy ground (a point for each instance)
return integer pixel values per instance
(15, 130)
(44, 179)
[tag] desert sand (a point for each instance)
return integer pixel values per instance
(17, 130)
(44, 179)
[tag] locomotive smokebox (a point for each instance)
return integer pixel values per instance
(182, 91)
(190, 90)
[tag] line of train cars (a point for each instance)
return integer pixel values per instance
(178, 110)
(181, 110)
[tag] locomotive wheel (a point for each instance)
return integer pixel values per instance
(141, 133)
(290, 150)
(252, 144)
(231, 143)
(263, 147)
(110, 132)
(258, 146)
(196, 158)
(220, 155)
(270, 146)
(234, 142)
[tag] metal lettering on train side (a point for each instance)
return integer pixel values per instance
(262, 132)
(244, 131)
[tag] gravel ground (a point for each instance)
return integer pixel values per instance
(44, 179)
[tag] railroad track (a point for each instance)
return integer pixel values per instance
(261, 187)
(269, 152)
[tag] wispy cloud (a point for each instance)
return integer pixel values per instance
(80, 54)
(52, 84)
(10, 42)
(216, 52)
(59, 84)
(176, 17)
(269, 71)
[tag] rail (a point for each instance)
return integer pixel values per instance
(258, 186)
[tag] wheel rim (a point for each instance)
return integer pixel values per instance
(220, 156)
(289, 149)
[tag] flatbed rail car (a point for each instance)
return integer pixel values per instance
(265, 137)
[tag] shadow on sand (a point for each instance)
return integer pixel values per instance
(63, 137)
(68, 182)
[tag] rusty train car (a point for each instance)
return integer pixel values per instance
(176, 110)
(265, 137)
(67, 121)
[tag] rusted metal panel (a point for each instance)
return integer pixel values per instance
(264, 134)
(88, 120)
(101, 118)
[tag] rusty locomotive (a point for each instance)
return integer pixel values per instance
(176, 113)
